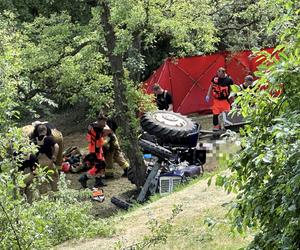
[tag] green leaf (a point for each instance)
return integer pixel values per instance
(219, 180)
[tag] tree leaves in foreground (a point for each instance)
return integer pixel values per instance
(266, 172)
(47, 221)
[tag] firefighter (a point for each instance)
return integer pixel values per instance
(113, 153)
(49, 150)
(45, 142)
(219, 89)
(248, 83)
(96, 136)
(163, 98)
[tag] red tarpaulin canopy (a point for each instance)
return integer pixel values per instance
(188, 78)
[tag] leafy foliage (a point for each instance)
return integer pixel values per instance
(266, 173)
(42, 223)
(28, 10)
(48, 221)
(64, 61)
(64, 55)
(244, 24)
(54, 53)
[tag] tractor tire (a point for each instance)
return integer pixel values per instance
(156, 150)
(169, 126)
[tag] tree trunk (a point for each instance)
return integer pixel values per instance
(123, 116)
(136, 44)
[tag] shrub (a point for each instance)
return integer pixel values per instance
(266, 173)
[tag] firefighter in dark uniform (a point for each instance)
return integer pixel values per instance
(219, 89)
(49, 149)
(163, 98)
(248, 83)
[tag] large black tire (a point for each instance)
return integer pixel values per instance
(169, 126)
(156, 150)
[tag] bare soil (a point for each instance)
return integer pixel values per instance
(117, 186)
(120, 186)
(73, 124)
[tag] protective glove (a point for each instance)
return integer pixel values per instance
(207, 98)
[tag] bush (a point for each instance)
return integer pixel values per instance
(53, 218)
(49, 221)
(266, 173)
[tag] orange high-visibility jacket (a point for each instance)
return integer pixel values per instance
(219, 92)
(95, 143)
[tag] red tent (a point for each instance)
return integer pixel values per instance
(188, 78)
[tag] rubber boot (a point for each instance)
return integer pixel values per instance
(99, 182)
(83, 180)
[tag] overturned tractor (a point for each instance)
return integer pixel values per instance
(172, 153)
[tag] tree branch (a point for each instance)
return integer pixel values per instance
(60, 58)
(29, 94)
(238, 27)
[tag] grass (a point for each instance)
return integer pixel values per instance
(202, 223)
(210, 230)
(205, 227)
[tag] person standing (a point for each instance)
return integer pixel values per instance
(248, 83)
(219, 89)
(97, 132)
(163, 98)
(113, 153)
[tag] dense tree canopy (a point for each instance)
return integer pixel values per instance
(27, 11)
(64, 53)
(244, 24)
(98, 51)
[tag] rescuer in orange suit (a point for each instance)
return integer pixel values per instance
(219, 89)
(97, 132)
